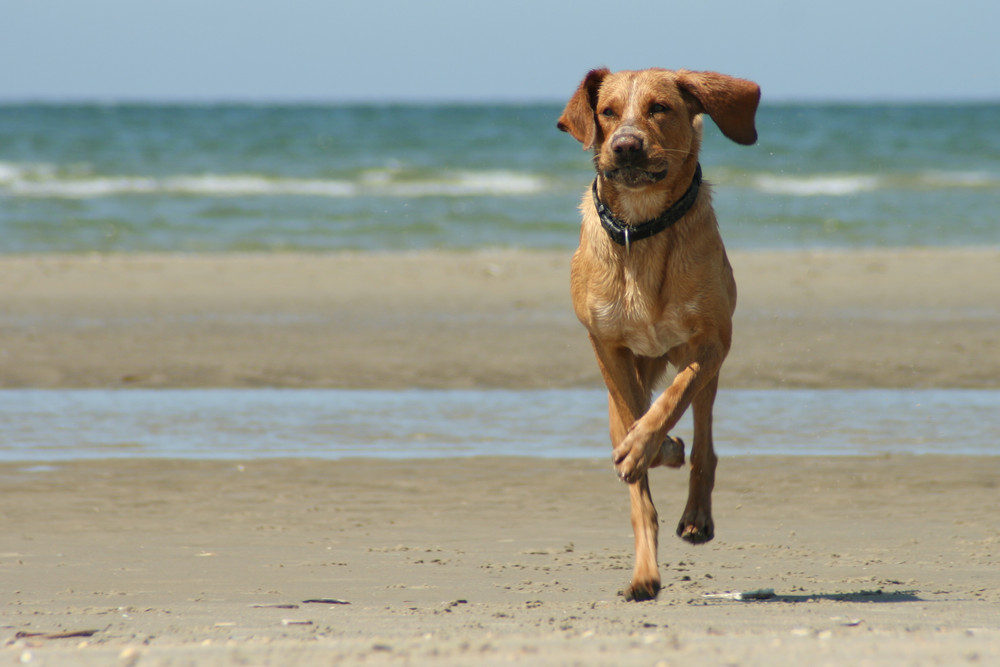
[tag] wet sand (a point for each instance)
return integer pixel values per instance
(884, 560)
(915, 318)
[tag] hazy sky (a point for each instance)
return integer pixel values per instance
(342, 50)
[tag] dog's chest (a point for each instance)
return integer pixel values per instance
(629, 311)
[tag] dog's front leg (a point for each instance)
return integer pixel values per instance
(628, 379)
(645, 582)
(696, 524)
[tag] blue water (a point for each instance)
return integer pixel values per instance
(57, 425)
(125, 178)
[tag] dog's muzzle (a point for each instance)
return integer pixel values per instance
(630, 163)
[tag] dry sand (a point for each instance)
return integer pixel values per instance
(873, 561)
(879, 561)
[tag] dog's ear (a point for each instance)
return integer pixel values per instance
(731, 102)
(578, 117)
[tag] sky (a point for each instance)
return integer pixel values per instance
(474, 51)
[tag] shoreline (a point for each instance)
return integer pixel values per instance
(906, 318)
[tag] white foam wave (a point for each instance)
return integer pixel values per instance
(819, 185)
(209, 185)
(44, 181)
(12, 173)
(839, 185)
(464, 184)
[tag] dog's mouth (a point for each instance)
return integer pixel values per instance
(634, 177)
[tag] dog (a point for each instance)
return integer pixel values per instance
(651, 281)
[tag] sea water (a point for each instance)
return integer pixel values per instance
(222, 178)
(243, 424)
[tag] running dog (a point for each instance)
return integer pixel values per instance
(651, 281)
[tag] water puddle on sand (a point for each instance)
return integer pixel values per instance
(56, 425)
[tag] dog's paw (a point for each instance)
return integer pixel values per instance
(696, 528)
(632, 457)
(636, 453)
(671, 453)
(641, 591)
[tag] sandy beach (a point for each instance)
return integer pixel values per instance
(872, 561)
(878, 560)
(914, 318)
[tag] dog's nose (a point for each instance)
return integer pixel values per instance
(627, 144)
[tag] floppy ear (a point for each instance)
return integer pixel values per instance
(731, 102)
(578, 117)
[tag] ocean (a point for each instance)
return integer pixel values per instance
(241, 177)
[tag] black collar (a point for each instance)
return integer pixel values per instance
(624, 234)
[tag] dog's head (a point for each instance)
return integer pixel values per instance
(644, 125)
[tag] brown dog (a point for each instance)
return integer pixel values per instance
(651, 280)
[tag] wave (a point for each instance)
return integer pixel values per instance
(840, 185)
(810, 186)
(46, 181)
(49, 181)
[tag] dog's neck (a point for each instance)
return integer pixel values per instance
(625, 234)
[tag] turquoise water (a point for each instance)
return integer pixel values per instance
(241, 177)
(241, 424)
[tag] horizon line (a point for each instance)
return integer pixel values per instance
(249, 100)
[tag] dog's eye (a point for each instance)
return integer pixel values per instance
(656, 107)
(608, 112)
